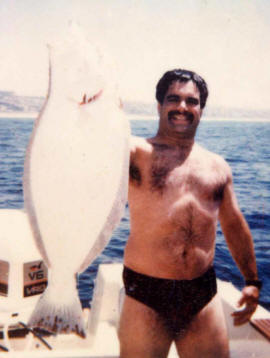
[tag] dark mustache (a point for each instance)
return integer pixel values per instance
(189, 116)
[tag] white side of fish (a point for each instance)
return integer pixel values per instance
(75, 179)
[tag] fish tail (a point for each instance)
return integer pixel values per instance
(57, 316)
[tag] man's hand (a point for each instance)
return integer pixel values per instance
(250, 297)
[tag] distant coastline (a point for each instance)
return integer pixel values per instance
(34, 115)
(16, 106)
(138, 117)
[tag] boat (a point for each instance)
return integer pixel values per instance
(18, 340)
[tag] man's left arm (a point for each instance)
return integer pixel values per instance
(240, 243)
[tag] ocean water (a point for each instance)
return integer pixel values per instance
(245, 145)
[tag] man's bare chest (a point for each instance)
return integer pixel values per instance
(201, 182)
(170, 177)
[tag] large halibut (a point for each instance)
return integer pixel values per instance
(75, 176)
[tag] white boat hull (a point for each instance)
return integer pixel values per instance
(103, 319)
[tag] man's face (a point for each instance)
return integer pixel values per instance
(180, 111)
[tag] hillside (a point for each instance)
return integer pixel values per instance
(11, 102)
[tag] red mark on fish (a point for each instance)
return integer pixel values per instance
(91, 99)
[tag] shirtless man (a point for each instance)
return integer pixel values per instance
(178, 191)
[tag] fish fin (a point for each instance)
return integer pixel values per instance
(115, 215)
(58, 315)
(27, 190)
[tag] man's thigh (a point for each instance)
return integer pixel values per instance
(141, 332)
(207, 334)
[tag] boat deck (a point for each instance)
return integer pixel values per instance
(102, 322)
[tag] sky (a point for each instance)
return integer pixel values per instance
(225, 41)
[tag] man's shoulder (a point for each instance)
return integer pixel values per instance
(139, 144)
(210, 158)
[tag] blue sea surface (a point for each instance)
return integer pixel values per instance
(245, 146)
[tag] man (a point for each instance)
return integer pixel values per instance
(178, 191)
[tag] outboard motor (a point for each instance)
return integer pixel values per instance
(23, 275)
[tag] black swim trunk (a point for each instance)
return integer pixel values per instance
(176, 301)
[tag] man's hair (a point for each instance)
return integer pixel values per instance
(182, 76)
